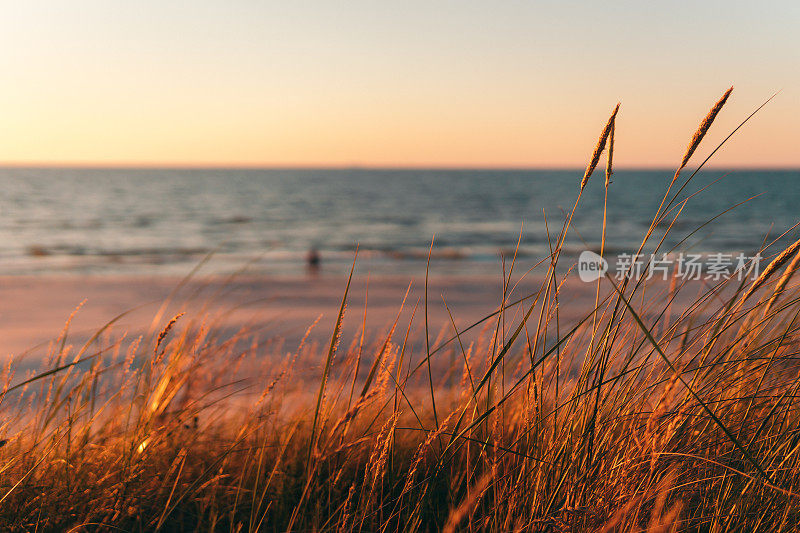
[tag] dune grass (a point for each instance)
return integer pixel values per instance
(647, 414)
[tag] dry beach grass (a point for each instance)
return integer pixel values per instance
(648, 413)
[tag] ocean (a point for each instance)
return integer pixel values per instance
(165, 221)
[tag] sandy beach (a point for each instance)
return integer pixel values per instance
(33, 310)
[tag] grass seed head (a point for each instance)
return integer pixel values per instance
(771, 268)
(598, 150)
(703, 129)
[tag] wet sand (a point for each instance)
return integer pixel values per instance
(33, 310)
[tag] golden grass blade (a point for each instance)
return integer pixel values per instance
(337, 332)
(427, 337)
(601, 145)
(461, 347)
(384, 347)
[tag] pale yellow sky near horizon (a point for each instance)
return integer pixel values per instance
(376, 84)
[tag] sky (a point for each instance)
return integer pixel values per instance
(408, 84)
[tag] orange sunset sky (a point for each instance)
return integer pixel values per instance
(462, 84)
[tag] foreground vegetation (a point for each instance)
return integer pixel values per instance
(648, 414)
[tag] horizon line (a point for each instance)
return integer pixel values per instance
(354, 166)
